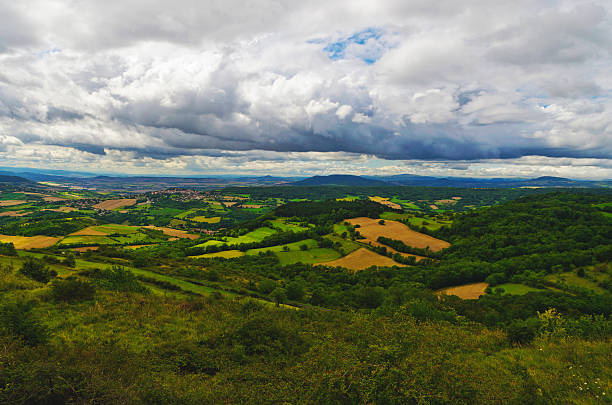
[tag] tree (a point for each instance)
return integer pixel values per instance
(381, 222)
(69, 261)
(279, 295)
(295, 290)
(304, 247)
(266, 286)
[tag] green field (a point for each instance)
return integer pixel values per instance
(405, 203)
(211, 220)
(282, 225)
(394, 216)
(348, 246)
(117, 229)
(310, 243)
(227, 254)
(86, 240)
(516, 289)
(254, 236)
(315, 255)
(572, 279)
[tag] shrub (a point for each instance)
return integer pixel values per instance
(496, 279)
(37, 270)
(118, 279)
(72, 290)
(295, 290)
(262, 335)
(7, 249)
(523, 331)
(426, 311)
(18, 320)
(266, 286)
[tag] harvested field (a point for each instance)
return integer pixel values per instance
(230, 203)
(371, 230)
(89, 231)
(53, 199)
(29, 242)
(86, 248)
(64, 209)
(138, 246)
(252, 206)
(433, 207)
(466, 292)
(361, 259)
(456, 198)
(114, 204)
(14, 213)
(385, 201)
(227, 254)
(10, 203)
(174, 232)
(446, 201)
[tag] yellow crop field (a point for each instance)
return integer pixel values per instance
(174, 232)
(467, 291)
(29, 242)
(114, 204)
(361, 259)
(371, 230)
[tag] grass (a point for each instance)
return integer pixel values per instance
(89, 240)
(516, 289)
(310, 243)
(348, 246)
(394, 216)
(282, 225)
(570, 278)
(340, 228)
(405, 203)
(254, 236)
(203, 219)
(315, 255)
(116, 228)
(348, 198)
(226, 254)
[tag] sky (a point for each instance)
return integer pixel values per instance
(447, 88)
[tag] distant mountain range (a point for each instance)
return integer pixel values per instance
(15, 180)
(463, 182)
(340, 180)
(141, 183)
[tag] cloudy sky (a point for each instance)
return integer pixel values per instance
(462, 88)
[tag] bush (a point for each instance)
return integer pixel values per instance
(37, 270)
(262, 335)
(426, 311)
(7, 249)
(266, 286)
(18, 320)
(496, 279)
(295, 290)
(118, 279)
(72, 290)
(523, 331)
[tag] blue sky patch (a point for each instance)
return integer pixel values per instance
(338, 50)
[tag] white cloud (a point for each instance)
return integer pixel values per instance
(431, 81)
